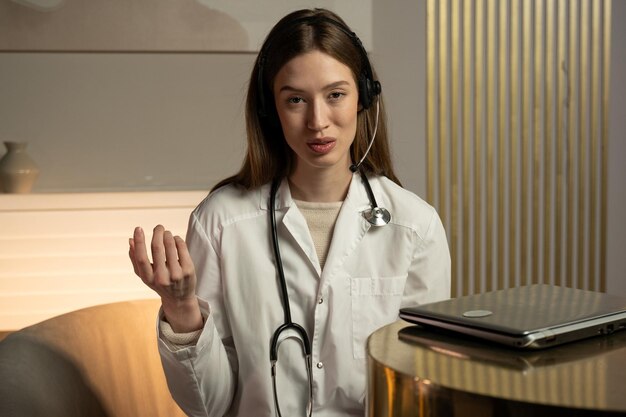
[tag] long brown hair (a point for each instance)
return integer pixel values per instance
(268, 156)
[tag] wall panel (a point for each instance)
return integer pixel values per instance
(62, 252)
(517, 139)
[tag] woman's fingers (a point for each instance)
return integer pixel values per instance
(171, 256)
(183, 275)
(156, 245)
(184, 258)
(131, 254)
(139, 256)
(171, 273)
(159, 259)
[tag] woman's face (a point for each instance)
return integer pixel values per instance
(317, 101)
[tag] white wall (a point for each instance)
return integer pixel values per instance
(399, 56)
(62, 252)
(107, 121)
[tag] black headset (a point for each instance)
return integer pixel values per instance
(368, 87)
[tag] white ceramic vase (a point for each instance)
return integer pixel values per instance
(18, 172)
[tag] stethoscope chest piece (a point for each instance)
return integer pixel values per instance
(377, 216)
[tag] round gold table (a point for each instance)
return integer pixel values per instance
(416, 372)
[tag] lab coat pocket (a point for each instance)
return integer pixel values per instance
(375, 303)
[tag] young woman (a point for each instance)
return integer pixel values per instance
(291, 263)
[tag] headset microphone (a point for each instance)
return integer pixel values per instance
(355, 167)
(376, 216)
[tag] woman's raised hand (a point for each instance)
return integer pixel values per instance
(171, 275)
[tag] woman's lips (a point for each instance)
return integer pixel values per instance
(322, 146)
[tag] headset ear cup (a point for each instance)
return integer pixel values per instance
(365, 93)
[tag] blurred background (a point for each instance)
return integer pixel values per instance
(507, 116)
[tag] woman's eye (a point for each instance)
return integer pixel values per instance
(294, 100)
(336, 95)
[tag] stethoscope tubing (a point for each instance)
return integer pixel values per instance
(288, 324)
(377, 216)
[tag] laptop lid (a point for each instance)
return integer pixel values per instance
(530, 317)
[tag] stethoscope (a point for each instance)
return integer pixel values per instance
(376, 216)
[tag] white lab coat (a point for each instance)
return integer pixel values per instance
(370, 272)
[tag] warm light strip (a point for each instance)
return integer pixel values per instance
(517, 135)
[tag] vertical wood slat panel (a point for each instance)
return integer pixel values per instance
(503, 134)
(478, 148)
(604, 133)
(466, 270)
(525, 140)
(593, 163)
(490, 139)
(561, 129)
(514, 120)
(548, 120)
(431, 103)
(517, 130)
(454, 135)
(572, 101)
(582, 139)
(537, 138)
(443, 111)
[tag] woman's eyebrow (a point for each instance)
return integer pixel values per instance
(326, 87)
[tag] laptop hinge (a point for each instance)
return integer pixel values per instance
(549, 335)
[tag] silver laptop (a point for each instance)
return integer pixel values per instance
(528, 317)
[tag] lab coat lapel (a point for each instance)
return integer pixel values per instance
(296, 225)
(349, 228)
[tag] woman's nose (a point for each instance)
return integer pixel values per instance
(317, 117)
